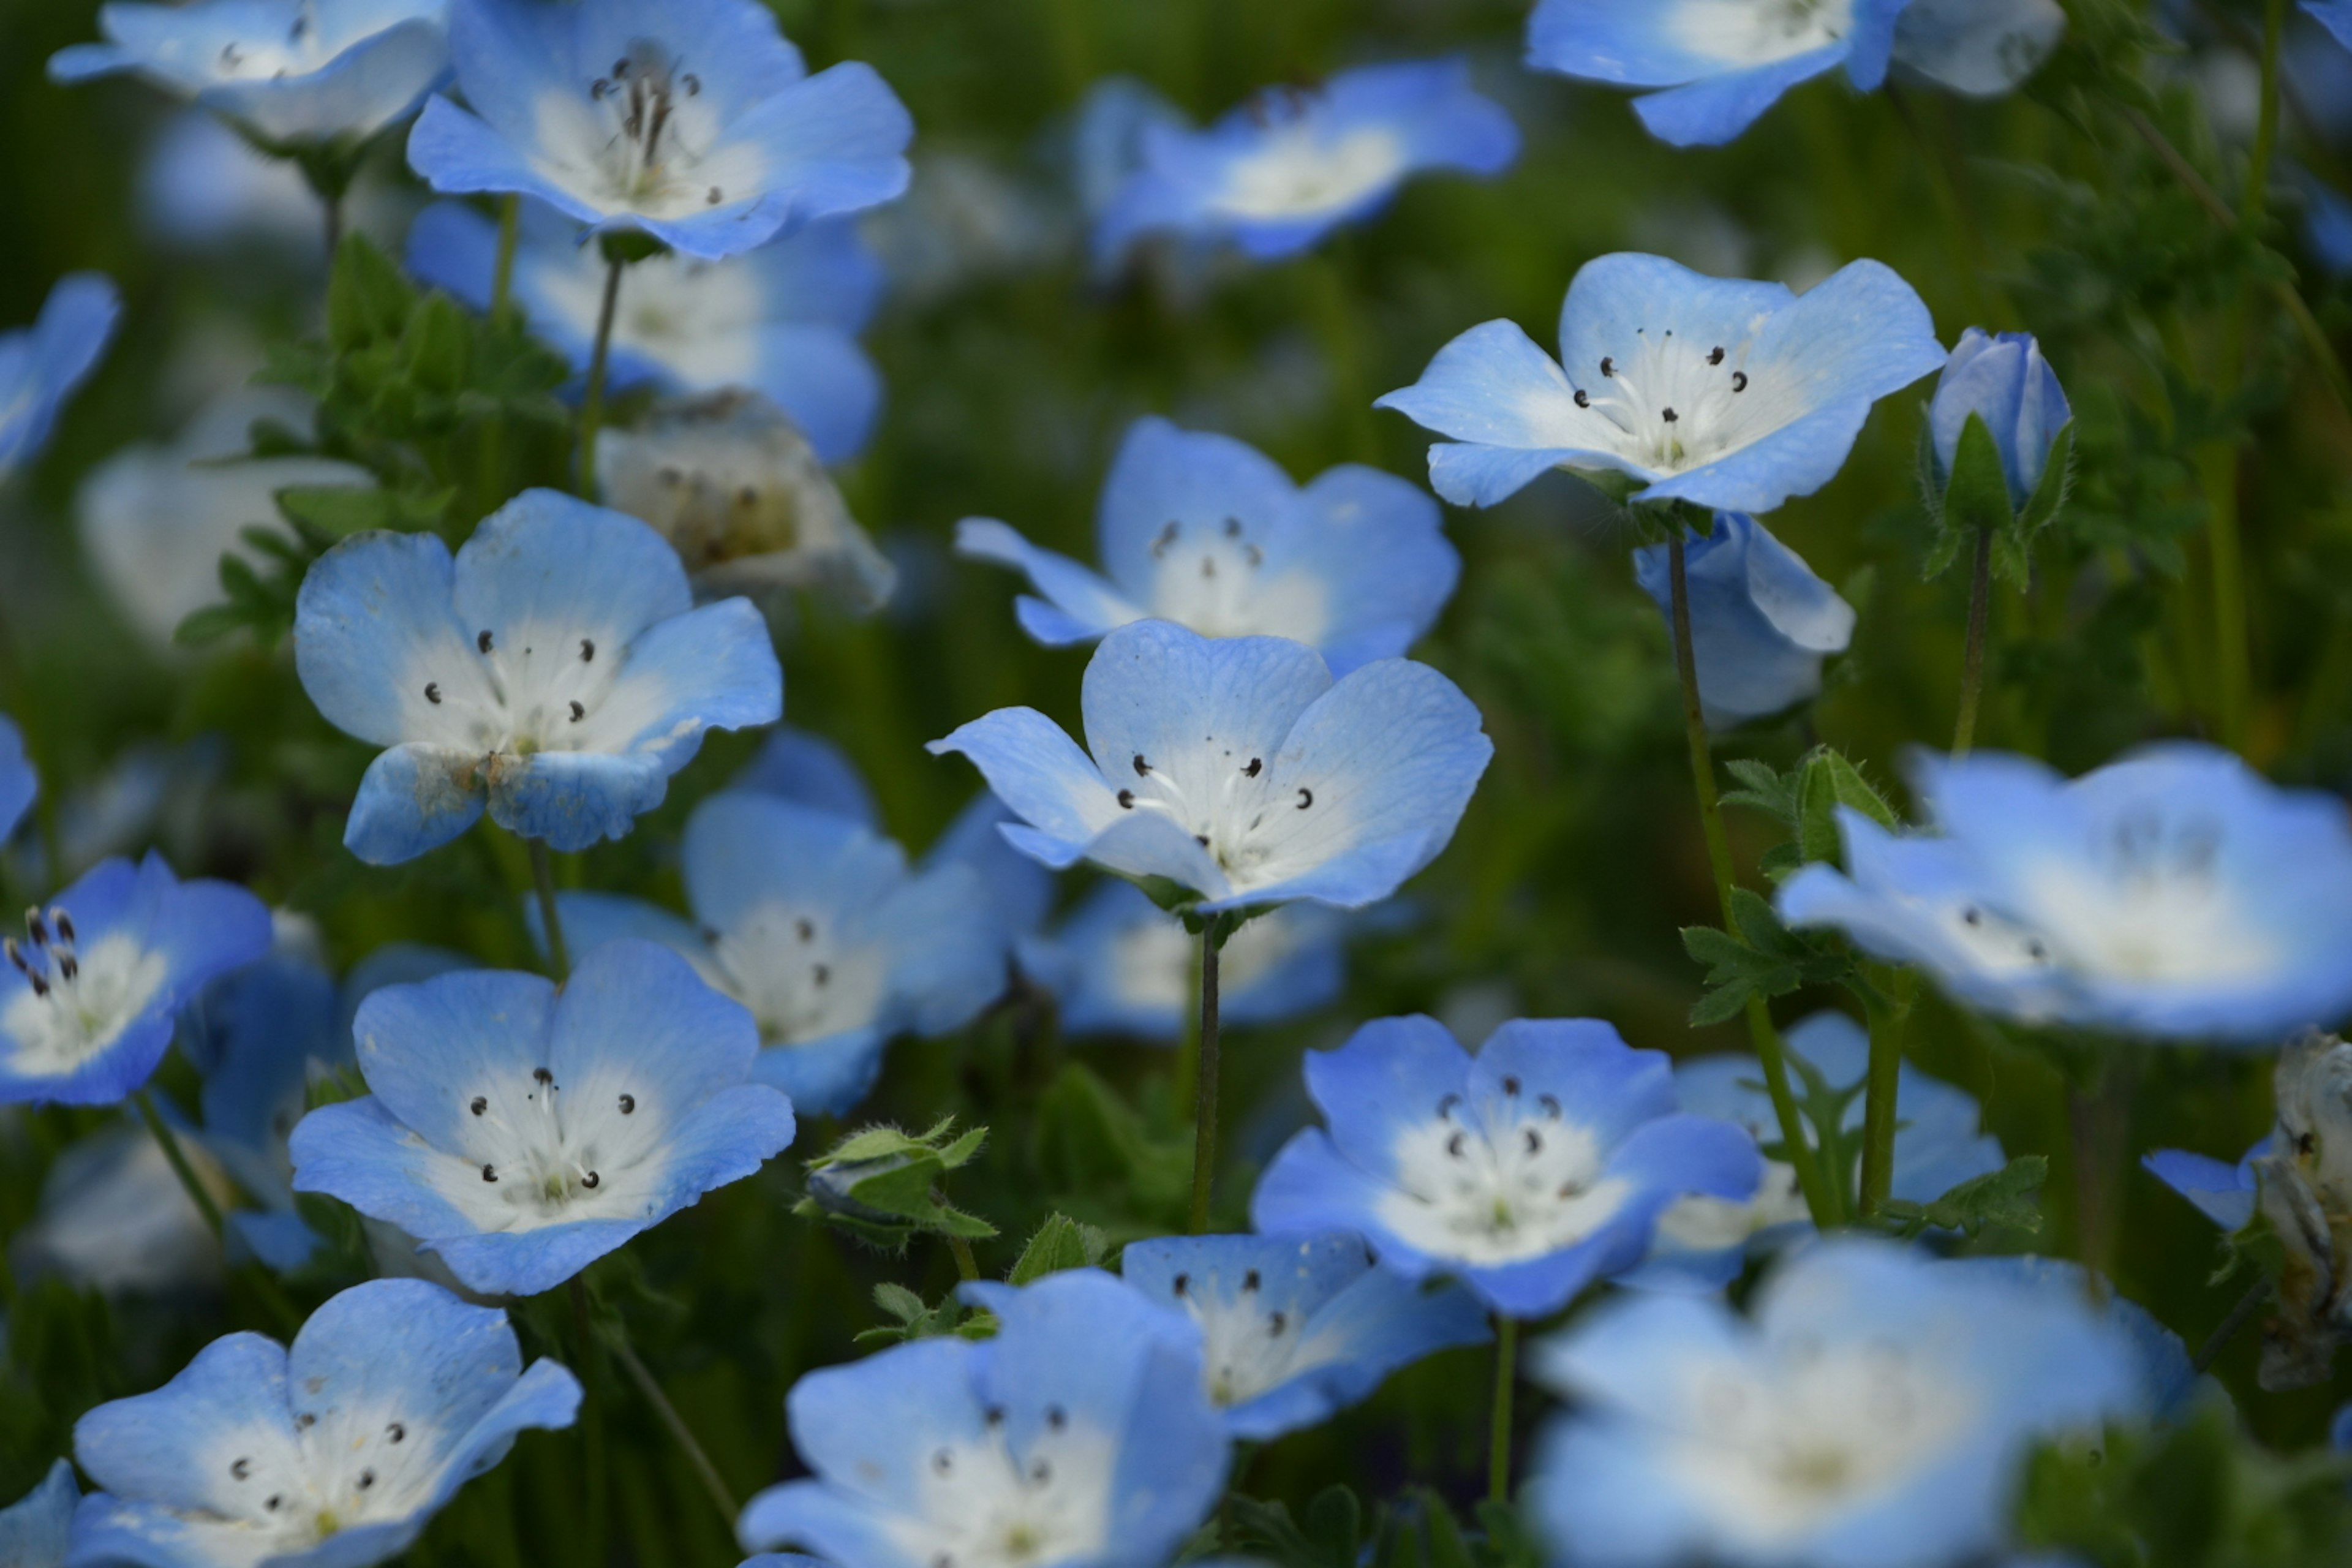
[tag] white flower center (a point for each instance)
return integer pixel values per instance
(346, 1467)
(1298, 171)
(800, 978)
(1759, 32)
(1701, 1223)
(526, 690)
(1212, 579)
(1247, 1348)
(2146, 905)
(1674, 404)
(983, 1506)
(644, 138)
(533, 1151)
(1528, 1183)
(1262, 818)
(76, 1002)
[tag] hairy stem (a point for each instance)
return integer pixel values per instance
(1964, 731)
(1878, 1106)
(168, 1141)
(510, 232)
(713, 1483)
(1498, 1441)
(967, 1265)
(1205, 1112)
(542, 877)
(592, 401)
(592, 1428)
(2240, 1315)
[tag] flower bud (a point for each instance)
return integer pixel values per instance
(2003, 380)
(1761, 622)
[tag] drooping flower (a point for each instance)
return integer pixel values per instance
(1982, 49)
(556, 671)
(1078, 1437)
(40, 365)
(1206, 532)
(292, 72)
(1704, 1242)
(1239, 769)
(88, 996)
(2004, 381)
(19, 786)
(1730, 395)
(332, 1455)
(2175, 893)
(1872, 1411)
(782, 320)
(1720, 63)
(522, 1133)
(1121, 964)
(1761, 623)
(1293, 164)
(813, 922)
(690, 120)
(1295, 1329)
(1530, 1171)
(33, 1529)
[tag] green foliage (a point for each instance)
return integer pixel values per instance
(1416, 1530)
(1060, 1242)
(1805, 800)
(2005, 1199)
(1107, 1160)
(910, 1319)
(1762, 959)
(886, 1186)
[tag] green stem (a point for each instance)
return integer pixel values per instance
(168, 1141)
(542, 876)
(713, 1482)
(967, 1265)
(2248, 1305)
(1205, 1107)
(1499, 1439)
(1331, 308)
(2218, 468)
(1185, 1084)
(2253, 200)
(1964, 731)
(510, 232)
(592, 403)
(1818, 1199)
(592, 1429)
(1878, 1106)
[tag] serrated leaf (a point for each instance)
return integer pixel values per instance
(899, 1302)
(1975, 498)
(2008, 1197)
(1832, 780)
(435, 346)
(1061, 1243)
(367, 298)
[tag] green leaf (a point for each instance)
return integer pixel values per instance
(434, 346)
(1975, 498)
(1832, 780)
(368, 300)
(2057, 477)
(1061, 1243)
(899, 1302)
(2009, 1198)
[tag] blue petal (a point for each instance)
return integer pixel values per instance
(427, 1050)
(1390, 1077)
(1082, 605)
(745, 852)
(812, 771)
(1022, 890)
(548, 569)
(167, 1448)
(1599, 1082)
(371, 610)
(2335, 15)
(19, 786)
(1195, 479)
(1760, 620)
(40, 367)
(33, 1529)
(368, 85)
(591, 919)
(1040, 774)
(1715, 109)
(824, 1077)
(1506, 402)
(413, 799)
(2223, 1193)
(1379, 542)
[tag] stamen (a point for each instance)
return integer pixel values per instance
(34, 928)
(943, 1461)
(1608, 365)
(1445, 1106)
(1455, 1145)
(1255, 764)
(1056, 1417)
(483, 642)
(1126, 799)
(1583, 398)
(1714, 355)
(823, 974)
(592, 1181)
(1670, 416)
(1306, 798)
(433, 691)
(481, 1104)
(240, 1468)
(1250, 1280)
(1510, 1086)
(1233, 528)
(1182, 1283)
(540, 1075)
(714, 196)
(65, 925)
(1550, 1104)
(587, 651)
(1141, 767)
(367, 1480)
(490, 1172)
(1167, 537)
(803, 929)
(1275, 1323)
(1534, 1142)
(578, 713)
(1738, 381)
(396, 1431)
(628, 1105)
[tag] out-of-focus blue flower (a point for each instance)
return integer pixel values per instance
(782, 320)
(2335, 15)
(88, 998)
(692, 120)
(1873, 1412)
(1295, 1329)
(34, 1527)
(1208, 533)
(522, 1133)
(557, 670)
(113, 1217)
(1983, 48)
(1529, 1171)
(812, 921)
(292, 72)
(1078, 1437)
(2164, 1377)
(2004, 381)
(1279, 173)
(202, 185)
(40, 365)
(1121, 964)
(2327, 227)
(1761, 623)
(332, 1455)
(1108, 134)
(2175, 893)
(1239, 769)
(1703, 1243)
(19, 786)
(1728, 394)
(1722, 63)
(2223, 1192)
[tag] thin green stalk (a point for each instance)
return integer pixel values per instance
(1498, 1438)
(1185, 1082)
(542, 876)
(1964, 731)
(1878, 1106)
(713, 1483)
(1332, 308)
(1819, 1201)
(510, 232)
(592, 403)
(1204, 1108)
(967, 1265)
(2248, 1305)
(2217, 468)
(2254, 199)
(168, 1141)
(592, 1430)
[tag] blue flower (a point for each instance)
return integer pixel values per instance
(292, 72)
(1208, 533)
(693, 120)
(1239, 769)
(2164, 1379)
(332, 1455)
(1078, 1437)
(2335, 15)
(557, 670)
(2004, 381)
(1703, 1243)
(1982, 49)
(1873, 1411)
(1529, 1171)
(522, 1133)
(88, 998)
(1761, 623)
(2223, 1192)
(41, 366)
(812, 921)
(1121, 964)
(2174, 893)
(1295, 1329)
(1721, 64)
(1727, 394)
(19, 786)
(1290, 165)
(782, 320)
(33, 1529)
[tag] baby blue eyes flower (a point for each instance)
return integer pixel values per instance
(1982, 49)
(1529, 1171)
(1295, 1329)
(40, 365)
(90, 993)
(1761, 623)
(1721, 63)
(292, 72)
(522, 1133)
(1285, 169)
(2223, 1192)
(2004, 381)
(33, 1529)
(556, 671)
(1239, 769)
(812, 921)
(2174, 894)
(1208, 533)
(19, 786)
(691, 120)
(332, 1455)
(782, 320)
(1078, 1437)
(1873, 1411)
(1727, 394)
